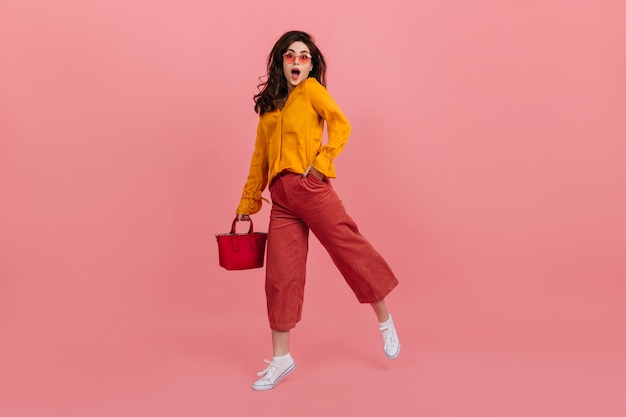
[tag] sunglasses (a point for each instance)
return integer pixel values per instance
(303, 58)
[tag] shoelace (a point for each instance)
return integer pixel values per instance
(388, 335)
(268, 373)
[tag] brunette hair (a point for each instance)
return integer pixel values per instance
(274, 90)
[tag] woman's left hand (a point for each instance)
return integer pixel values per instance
(312, 171)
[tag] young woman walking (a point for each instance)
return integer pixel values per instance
(289, 155)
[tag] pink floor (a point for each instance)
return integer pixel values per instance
(191, 347)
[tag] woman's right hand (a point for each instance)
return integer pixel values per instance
(243, 217)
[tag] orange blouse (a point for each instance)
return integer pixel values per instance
(291, 139)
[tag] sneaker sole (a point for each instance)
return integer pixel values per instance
(281, 376)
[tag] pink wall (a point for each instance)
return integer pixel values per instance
(487, 163)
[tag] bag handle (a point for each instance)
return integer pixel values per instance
(232, 228)
(234, 240)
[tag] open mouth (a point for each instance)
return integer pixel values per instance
(295, 73)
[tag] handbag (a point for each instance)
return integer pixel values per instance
(241, 250)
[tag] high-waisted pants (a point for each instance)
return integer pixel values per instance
(303, 203)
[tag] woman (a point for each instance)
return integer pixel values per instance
(293, 105)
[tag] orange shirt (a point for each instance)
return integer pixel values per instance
(291, 139)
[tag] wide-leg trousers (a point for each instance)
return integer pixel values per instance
(300, 204)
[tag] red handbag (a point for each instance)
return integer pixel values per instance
(241, 250)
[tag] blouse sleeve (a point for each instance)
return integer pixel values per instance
(338, 127)
(251, 200)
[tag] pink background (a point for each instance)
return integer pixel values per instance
(487, 163)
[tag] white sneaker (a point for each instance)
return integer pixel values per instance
(391, 343)
(272, 375)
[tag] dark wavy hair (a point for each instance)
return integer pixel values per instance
(274, 90)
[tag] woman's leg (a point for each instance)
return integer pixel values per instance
(285, 270)
(380, 308)
(364, 269)
(285, 275)
(280, 342)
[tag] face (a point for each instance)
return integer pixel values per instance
(301, 64)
